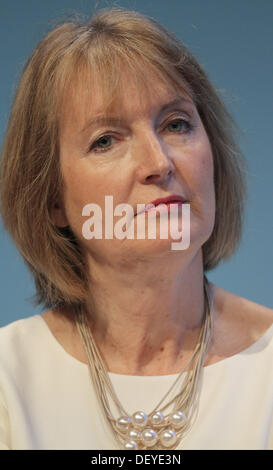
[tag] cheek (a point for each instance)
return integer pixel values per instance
(205, 183)
(198, 168)
(85, 185)
(199, 177)
(82, 185)
(77, 187)
(205, 171)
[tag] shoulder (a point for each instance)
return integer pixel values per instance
(238, 322)
(239, 310)
(62, 326)
(18, 337)
(19, 327)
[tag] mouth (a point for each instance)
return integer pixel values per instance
(165, 203)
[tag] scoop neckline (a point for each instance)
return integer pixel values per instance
(78, 363)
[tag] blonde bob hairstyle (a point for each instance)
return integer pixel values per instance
(31, 182)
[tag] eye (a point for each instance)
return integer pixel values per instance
(103, 144)
(179, 125)
(175, 126)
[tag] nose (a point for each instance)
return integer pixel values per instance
(153, 162)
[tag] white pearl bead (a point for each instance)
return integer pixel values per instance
(139, 419)
(134, 434)
(156, 418)
(130, 445)
(167, 437)
(123, 423)
(149, 437)
(177, 418)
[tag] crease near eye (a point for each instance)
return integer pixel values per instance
(181, 126)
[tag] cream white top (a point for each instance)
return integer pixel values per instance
(47, 400)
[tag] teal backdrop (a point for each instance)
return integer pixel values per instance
(233, 40)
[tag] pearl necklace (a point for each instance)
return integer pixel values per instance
(154, 430)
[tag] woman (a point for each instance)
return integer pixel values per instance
(137, 349)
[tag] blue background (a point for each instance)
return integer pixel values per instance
(233, 41)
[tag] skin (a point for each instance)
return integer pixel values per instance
(147, 300)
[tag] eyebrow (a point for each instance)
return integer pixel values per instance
(113, 120)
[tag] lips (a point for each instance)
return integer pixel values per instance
(164, 200)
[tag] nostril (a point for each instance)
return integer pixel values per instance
(152, 176)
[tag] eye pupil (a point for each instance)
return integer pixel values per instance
(104, 140)
(177, 124)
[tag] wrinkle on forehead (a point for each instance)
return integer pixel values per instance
(91, 92)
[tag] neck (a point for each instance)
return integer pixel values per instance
(146, 319)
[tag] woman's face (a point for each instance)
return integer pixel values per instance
(154, 146)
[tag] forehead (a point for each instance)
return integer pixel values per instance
(91, 94)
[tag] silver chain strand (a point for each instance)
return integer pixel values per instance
(182, 402)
